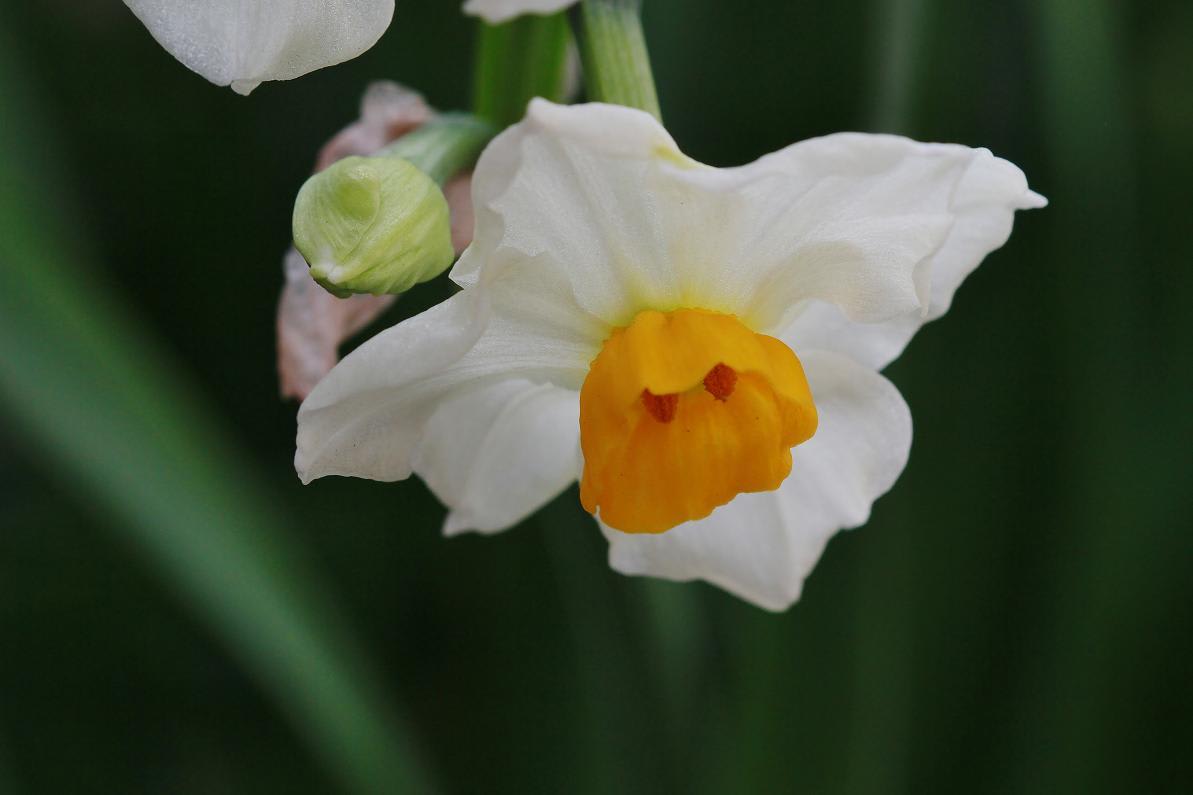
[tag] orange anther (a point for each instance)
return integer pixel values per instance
(661, 407)
(720, 381)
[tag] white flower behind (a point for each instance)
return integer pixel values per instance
(590, 219)
(241, 43)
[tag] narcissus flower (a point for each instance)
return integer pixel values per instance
(242, 43)
(700, 347)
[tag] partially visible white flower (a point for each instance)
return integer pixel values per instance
(241, 43)
(497, 11)
(666, 332)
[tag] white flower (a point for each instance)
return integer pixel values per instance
(497, 11)
(645, 323)
(244, 42)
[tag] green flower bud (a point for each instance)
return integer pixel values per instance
(373, 225)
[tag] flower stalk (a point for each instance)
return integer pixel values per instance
(616, 61)
(444, 146)
(518, 61)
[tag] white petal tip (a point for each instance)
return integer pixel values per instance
(304, 475)
(769, 603)
(1034, 201)
(244, 87)
(496, 12)
(455, 524)
(304, 466)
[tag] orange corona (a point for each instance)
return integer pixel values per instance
(681, 411)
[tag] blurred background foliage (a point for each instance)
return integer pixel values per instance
(178, 614)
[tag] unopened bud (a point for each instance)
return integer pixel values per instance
(372, 225)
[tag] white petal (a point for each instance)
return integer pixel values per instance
(244, 42)
(883, 176)
(495, 455)
(367, 417)
(761, 547)
(566, 192)
(601, 195)
(497, 11)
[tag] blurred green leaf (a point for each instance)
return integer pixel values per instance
(620, 747)
(92, 393)
(8, 784)
(1118, 551)
(880, 721)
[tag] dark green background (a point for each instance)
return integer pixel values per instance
(1015, 618)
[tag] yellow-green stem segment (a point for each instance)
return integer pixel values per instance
(444, 146)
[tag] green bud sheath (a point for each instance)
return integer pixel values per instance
(372, 225)
(381, 224)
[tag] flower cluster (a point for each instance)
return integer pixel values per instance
(700, 348)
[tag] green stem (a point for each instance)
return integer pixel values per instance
(899, 48)
(444, 146)
(616, 63)
(678, 638)
(615, 722)
(518, 61)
